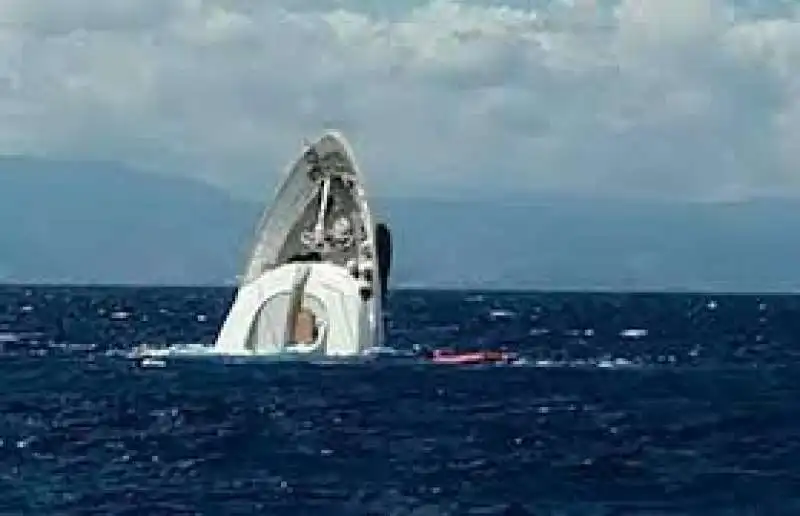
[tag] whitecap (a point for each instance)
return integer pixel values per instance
(633, 333)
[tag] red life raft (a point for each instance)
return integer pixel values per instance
(446, 356)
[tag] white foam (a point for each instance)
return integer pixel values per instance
(9, 337)
(146, 351)
(633, 333)
(499, 313)
(159, 357)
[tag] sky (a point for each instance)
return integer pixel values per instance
(686, 99)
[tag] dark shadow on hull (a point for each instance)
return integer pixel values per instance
(383, 239)
(309, 257)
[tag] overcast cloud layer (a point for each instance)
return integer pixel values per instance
(687, 98)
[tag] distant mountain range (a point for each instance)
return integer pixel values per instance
(79, 223)
(100, 223)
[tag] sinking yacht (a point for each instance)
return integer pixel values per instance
(316, 278)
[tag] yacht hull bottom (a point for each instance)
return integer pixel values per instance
(345, 323)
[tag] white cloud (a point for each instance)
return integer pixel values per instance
(691, 98)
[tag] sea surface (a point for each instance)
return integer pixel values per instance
(630, 404)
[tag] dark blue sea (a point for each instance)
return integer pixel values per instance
(630, 404)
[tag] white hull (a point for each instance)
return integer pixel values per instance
(315, 250)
